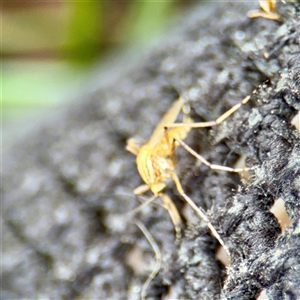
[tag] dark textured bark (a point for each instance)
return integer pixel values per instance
(67, 187)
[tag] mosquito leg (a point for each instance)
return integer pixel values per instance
(199, 211)
(207, 163)
(158, 257)
(133, 146)
(233, 109)
(174, 214)
(168, 205)
(141, 189)
(218, 121)
(140, 207)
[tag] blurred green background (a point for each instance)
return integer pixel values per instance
(50, 48)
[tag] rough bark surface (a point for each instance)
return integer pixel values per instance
(67, 186)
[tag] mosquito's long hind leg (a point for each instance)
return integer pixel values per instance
(199, 211)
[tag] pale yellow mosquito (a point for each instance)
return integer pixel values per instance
(267, 11)
(156, 161)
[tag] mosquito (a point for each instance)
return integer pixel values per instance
(156, 160)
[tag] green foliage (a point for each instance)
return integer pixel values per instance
(62, 42)
(84, 31)
(146, 19)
